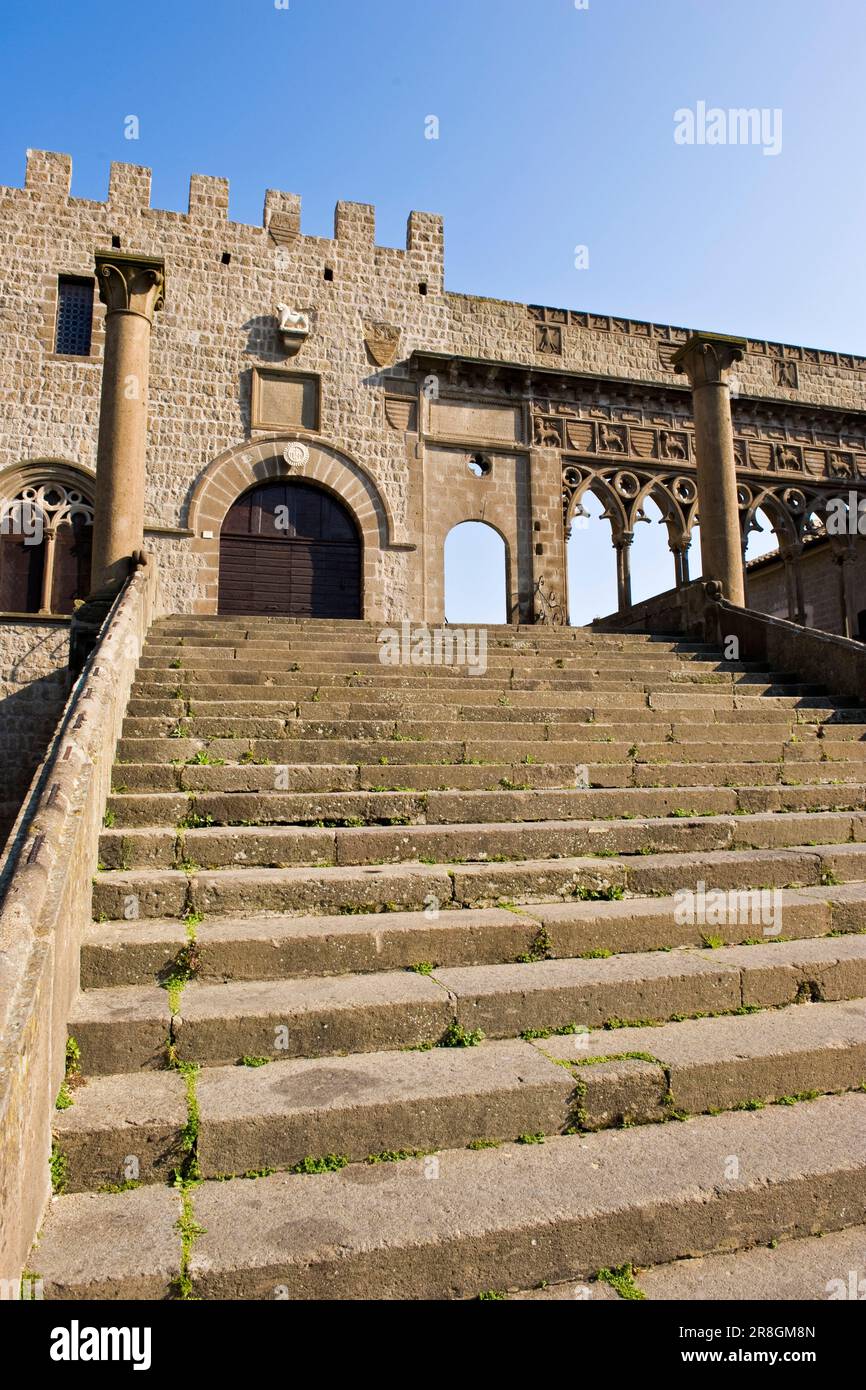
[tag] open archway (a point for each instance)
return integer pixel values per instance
(652, 568)
(290, 549)
(591, 560)
(476, 574)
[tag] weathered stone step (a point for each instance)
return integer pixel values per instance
(125, 1028)
(508, 1217)
(367, 638)
(253, 1118)
(271, 658)
(657, 745)
(646, 723)
(827, 1266)
(138, 778)
(472, 690)
(276, 846)
(269, 807)
(516, 705)
(280, 624)
(272, 1117)
(170, 676)
(273, 947)
(503, 1000)
(148, 893)
(163, 685)
(641, 1075)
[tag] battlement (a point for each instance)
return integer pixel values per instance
(49, 179)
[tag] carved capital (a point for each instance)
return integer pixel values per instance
(706, 358)
(130, 284)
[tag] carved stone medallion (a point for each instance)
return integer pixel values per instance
(296, 455)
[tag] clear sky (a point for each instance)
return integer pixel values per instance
(556, 126)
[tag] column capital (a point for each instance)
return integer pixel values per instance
(131, 284)
(706, 358)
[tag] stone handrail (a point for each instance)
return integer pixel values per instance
(45, 908)
(697, 610)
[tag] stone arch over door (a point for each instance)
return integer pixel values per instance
(278, 459)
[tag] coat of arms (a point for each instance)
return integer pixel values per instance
(382, 341)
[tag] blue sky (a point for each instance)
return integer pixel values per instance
(556, 129)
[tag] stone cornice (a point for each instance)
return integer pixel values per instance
(531, 382)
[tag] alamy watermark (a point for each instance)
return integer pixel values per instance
(739, 125)
(846, 516)
(737, 907)
(22, 518)
(420, 645)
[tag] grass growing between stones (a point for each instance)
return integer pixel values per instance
(622, 1281)
(456, 1035)
(189, 1231)
(541, 949)
(72, 1078)
(330, 1163)
(397, 1155)
(58, 1165)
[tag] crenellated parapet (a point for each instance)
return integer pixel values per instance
(49, 178)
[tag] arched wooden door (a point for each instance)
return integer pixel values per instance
(291, 549)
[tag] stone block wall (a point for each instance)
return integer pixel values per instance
(224, 282)
(33, 688)
(766, 588)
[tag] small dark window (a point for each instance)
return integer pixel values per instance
(115, 241)
(422, 288)
(74, 316)
(329, 274)
(227, 257)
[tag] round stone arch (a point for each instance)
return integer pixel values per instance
(274, 459)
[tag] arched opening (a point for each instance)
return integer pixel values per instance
(696, 560)
(761, 538)
(46, 535)
(591, 560)
(476, 574)
(292, 550)
(652, 562)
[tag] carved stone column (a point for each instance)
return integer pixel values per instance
(706, 358)
(794, 584)
(48, 569)
(132, 287)
(622, 546)
(680, 552)
(845, 555)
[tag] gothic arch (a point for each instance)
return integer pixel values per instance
(614, 509)
(46, 519)
(37, 472)
(276, 458)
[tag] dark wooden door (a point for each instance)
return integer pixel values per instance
(290, 549)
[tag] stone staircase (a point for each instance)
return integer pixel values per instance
(394, 988)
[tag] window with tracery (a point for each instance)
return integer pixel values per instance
(46, 531)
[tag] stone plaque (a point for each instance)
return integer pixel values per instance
(475, 422)
(284, 400)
